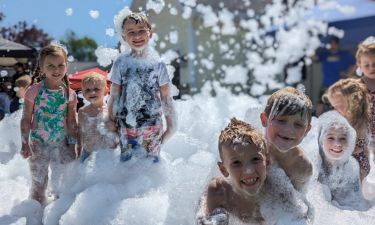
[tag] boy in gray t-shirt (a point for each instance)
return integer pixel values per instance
(140, 93)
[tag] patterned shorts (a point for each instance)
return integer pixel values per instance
(148, 137)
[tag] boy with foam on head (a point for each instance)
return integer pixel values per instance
(287, 118)
(140, 91)
(243, 164)
(95, 129)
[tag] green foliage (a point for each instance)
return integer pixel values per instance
(82, 49)
(24, 34)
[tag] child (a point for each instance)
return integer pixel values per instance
(366, 66)
(48, 124)
(287, 118)
(339, 170)
(95, 129)
(248, 191)
(349, 98)
(20, 86)
(140, 92)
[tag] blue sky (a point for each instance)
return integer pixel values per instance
(50, 15)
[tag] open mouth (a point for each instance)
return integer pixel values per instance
(336, 150)
(139, 44)
(285, 138)
(250, 181)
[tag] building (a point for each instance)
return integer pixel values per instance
(200, 49)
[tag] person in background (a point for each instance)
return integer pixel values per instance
(20, 86)
(5, 98)
(336, 64)
(366, 68)
(350, 98)
(20, 71)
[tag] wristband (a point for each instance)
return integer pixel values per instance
(70, 140)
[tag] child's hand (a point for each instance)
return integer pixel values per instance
(218, 217)
(25, 151)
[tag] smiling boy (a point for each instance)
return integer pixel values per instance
(287, 118)
(140, 92)
(243, 164)
(95, 129)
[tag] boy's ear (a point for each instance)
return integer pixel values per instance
(222, 168)
(308, 129)
(151, 33)
(268, 159)
(263, 119)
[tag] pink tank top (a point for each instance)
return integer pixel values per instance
(49, 112)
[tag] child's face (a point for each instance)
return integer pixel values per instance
(136, 35)
(338, 102)
(367, 65)
(54, 67)
(285, 132)
(335, 143)
(20, 91)
(245, 165)
(94, 92)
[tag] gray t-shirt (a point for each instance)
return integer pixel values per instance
(140, 79)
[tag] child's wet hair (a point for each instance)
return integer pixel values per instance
(355, 94)
(138, 18)
(94, 77)
(238, 130)
(367, 47)
(289, 101)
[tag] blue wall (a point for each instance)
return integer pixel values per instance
(356, 30)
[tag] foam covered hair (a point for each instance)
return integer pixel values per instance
(333, 119)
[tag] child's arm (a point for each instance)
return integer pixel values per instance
(79, 135)
(169, 112)
(306, 170)
(72, 126)
(115, 92)
(25, 127)
(212, 210)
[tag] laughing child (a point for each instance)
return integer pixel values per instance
(248, 192)
(286, 119)
(339, 170)
(140, 92)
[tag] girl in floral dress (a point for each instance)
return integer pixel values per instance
(48, 124)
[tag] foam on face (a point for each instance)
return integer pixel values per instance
(332, 122)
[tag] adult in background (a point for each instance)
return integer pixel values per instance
(336, 64)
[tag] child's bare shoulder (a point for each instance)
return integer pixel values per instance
(217, 191)
(302, 164)
(301, 157)
(217, 186)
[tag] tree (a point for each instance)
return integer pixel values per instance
(24, 34)
(2, 16)
(82, 49)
